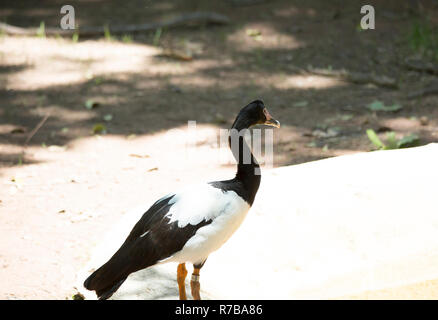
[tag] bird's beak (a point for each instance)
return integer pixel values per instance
(270, 121)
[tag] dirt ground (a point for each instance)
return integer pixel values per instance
(63, 185)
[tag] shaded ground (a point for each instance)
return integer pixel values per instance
(68, 185)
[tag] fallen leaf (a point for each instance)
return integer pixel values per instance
(409, 141)
(91, 104)
(98, 80)
(329, 133)
(346, 117)
(99, 128)
(424, 121)
(177, 54)
(300, 104)
(380, 106)
(78, 296)
(253, 32)
(18, 130)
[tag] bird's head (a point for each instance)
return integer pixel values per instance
(254, 113)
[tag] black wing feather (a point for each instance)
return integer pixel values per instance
(162, 240)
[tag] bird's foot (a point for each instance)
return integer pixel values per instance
(195, 286)
(181, 278)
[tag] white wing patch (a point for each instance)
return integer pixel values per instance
(198, 203)
(226, 210)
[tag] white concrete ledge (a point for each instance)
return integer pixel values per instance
(319, 230)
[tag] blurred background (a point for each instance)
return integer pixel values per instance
(83, 115)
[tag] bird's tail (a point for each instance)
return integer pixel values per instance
(105, 281)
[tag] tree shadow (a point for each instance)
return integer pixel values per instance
(150, 284)
(154, 283)
(233, 69)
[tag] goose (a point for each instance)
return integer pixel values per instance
(187, 226)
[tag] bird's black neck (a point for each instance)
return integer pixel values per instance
(248, 169)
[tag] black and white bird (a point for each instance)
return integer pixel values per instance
(189, 225)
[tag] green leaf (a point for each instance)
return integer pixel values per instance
(78, 296)
(99, 128)
(346, 117)
(375, 139)
(108, 117)
(380, 106)
(253, 32)
(408, 141)
(75, 37)
(126, 38)
(376, 105)
(391, 141)
(157, 36)
(107, 33)
(394, 107)
(98, 80)
(41, 32)
(91, 104)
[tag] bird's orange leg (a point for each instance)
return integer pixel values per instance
(195, 284)
(181, 278)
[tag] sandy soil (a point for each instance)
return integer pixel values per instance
(61, 192)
